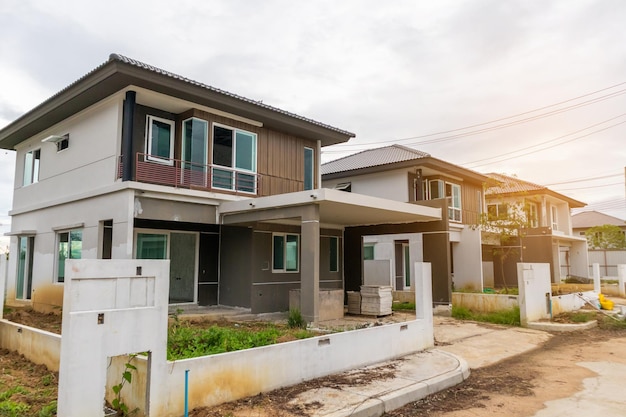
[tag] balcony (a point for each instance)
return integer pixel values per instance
(183, 174)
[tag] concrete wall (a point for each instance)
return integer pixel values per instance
(570, 302)
(534, 291)
(467, 256)
(392, 185)
(377, 272)
(88, 163)
(608, 261)
(488, 274)
(38, 346)
(46, 223)
(331, 303)
(484, 302)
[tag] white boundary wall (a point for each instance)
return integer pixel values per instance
(105, 287)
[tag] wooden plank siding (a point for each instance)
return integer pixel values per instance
(470, 203)
(280, 156)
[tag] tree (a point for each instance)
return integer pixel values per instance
(606, 236)
(506, 225)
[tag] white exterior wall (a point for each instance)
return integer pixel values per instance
(46, 223)
(392, 185)
(467, 258)
(533, 281)
(384, 249)
(89, 163)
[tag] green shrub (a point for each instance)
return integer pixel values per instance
(403, 306)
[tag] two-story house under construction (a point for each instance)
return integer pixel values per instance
(132, 161)
(539, 230)
(452, 245)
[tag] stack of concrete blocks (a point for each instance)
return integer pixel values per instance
(376, 300)
(354, 302)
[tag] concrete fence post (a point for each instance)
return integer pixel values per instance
(621, 278)
(596, 278)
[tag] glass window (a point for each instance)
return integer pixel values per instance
(151, 246)
(107, 239)
(334, 254)
(285, 253)
(70, 247)
(309, 168)
(31, 167)
(160, 139)
(499, 211)
(453, 191)
(24, 282)
(368, 252)
(234, 149)
(555, 221)
(195, 133)
(436, 189)
(63, 143)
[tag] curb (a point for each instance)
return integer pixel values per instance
(562, 327)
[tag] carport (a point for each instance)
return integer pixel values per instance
(312, 210)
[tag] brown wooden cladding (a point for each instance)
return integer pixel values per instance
(280, 157)
(471, 199)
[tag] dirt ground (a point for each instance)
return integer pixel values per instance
(517, 387)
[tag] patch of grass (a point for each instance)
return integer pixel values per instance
(403, 306)
(582, 316)
(508, 317)
(185, 341)
(49, 410)
(9, 408)
(607, 323)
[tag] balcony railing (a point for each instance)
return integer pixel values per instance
(184, 174)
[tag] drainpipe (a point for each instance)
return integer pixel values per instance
(127, 136)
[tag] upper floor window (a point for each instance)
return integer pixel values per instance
(498, 211)
(31, 167)
(63, 143)
(160, 139)
(555, 220)
(434, 189)
(532, 217)
(235, 150)
(309, 168)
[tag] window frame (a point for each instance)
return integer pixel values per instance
(33, 167)
(498, 215)
(368, 246)
(24, 276)
(309, 172)
(554, 217)
(159, 159)
(284, 268)
(57, 277)
(233, 169)
(333, 259)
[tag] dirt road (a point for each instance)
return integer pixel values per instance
(521, 386)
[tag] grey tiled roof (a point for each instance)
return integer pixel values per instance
(588, 219)
(503, 184)
(138, 64)
(373, 157)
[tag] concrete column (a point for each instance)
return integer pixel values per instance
(310, 264)
(621, 278)
(596, 278)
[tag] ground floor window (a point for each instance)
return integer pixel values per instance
(70, 247)
(368, 252)
(334, 254)
(24, 282)
(181, 248)
(285, 253)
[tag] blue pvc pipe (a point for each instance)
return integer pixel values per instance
(186, 392)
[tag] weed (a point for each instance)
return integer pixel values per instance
(127, 377)
(403, 306)
(508, 317)
(10, 408)
(609, 323)
(295, 319)
(46, 380)
(49, 410)
(582, 317)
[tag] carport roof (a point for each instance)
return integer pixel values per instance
(335, 208)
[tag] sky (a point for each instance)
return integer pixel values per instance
(531, 88)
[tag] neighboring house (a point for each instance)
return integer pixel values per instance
(607, 259)
(545, 229)
(399, 173)
(587, 219)
(132, 161)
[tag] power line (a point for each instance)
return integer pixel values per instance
(592, 186)
(543, 143)
(584, 179)
(338, 148)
